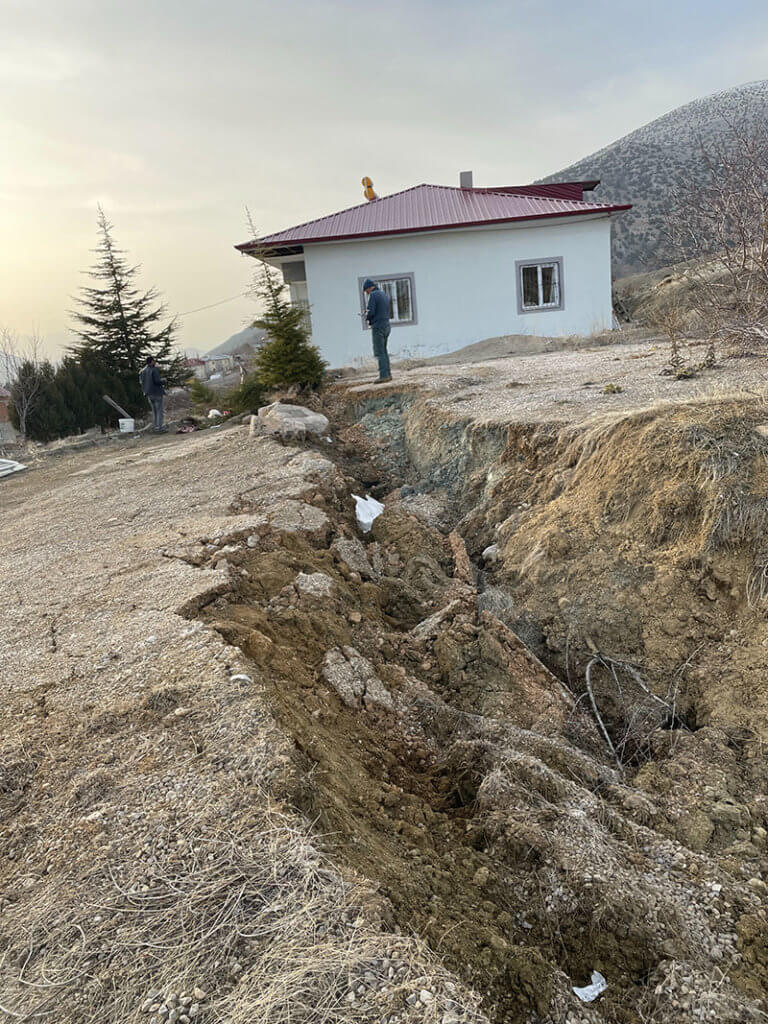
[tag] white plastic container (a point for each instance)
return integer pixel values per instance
(126, 426)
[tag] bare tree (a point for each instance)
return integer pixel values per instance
(20, 362)
(720, 228)
(673, 319)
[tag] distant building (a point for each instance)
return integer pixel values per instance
(196, 367)
(459, 265)
(7, 432)
(220, 364)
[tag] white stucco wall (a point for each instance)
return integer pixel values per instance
(465, 286)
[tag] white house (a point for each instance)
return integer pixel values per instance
(459, 265)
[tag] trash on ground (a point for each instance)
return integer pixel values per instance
(126, 425)
(187, 425)
(366, 510)
(8, 466)
(590, 992)
(214, 414)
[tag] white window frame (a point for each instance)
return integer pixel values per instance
(379, 278)
(542, 307)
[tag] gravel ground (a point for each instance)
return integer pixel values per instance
(139, 760)
(567, 385)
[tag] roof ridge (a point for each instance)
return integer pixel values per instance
(348, 209)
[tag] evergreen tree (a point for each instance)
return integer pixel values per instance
(288, 357)
(48, 418)
(201, 394)
(248, 396)
(122, 325)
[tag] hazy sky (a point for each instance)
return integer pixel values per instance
(175, 114)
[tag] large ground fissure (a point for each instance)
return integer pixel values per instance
(443, 761)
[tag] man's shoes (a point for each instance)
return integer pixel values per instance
(382, 380)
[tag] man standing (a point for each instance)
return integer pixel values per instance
(377, 315)
(153, 387)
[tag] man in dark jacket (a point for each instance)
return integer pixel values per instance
(153, 387)
(377, 315)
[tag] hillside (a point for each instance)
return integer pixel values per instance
(248, 338)
(645, 166)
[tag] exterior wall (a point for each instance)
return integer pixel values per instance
(465, 286)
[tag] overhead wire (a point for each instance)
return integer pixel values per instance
(211, 305)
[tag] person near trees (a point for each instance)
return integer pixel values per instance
(153, 386)
(377, 315)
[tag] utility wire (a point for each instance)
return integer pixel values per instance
(221, 302)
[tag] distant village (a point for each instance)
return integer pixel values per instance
(235, 355)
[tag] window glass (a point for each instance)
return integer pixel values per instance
(399, 291)
(530, 286)
(549, 285)
(403, 293)
(540, 285)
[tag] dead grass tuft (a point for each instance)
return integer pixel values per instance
(259, 921)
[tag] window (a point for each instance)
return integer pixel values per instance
(399, 289)
(539, 285)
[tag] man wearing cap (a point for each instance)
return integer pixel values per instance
(377, 315)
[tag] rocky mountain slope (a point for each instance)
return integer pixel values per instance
(645, 166)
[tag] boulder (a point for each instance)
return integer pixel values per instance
(291, 420)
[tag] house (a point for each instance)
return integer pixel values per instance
(459, 264)
(196, 367)
(7, 432)
(219, 364)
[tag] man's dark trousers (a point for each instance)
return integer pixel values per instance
(156, 401)
(380, 338)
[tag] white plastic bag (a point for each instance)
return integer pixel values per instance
(366, 510)
(214, 414)
(590, 992)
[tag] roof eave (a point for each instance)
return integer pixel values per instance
(277, 249)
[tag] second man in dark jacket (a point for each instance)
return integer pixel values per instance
(377, 315)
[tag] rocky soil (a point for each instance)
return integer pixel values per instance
(257, 765)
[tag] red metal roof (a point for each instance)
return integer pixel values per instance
(434, 208)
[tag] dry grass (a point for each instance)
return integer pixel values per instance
(258, 920)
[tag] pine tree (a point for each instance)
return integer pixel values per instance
(49, 417)
(288, 357)
(201, 394)
(248, 396)
(122, 325)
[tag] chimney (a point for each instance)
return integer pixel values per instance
(465, 179)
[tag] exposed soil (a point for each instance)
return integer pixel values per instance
(529, 762)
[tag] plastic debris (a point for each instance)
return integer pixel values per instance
(214, 414)
(366, 510)
(8, 466)
(590, 992)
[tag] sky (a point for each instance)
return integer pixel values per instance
(176, 115)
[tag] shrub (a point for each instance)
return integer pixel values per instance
(247, 397)
(288, 358)
(200, 393)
